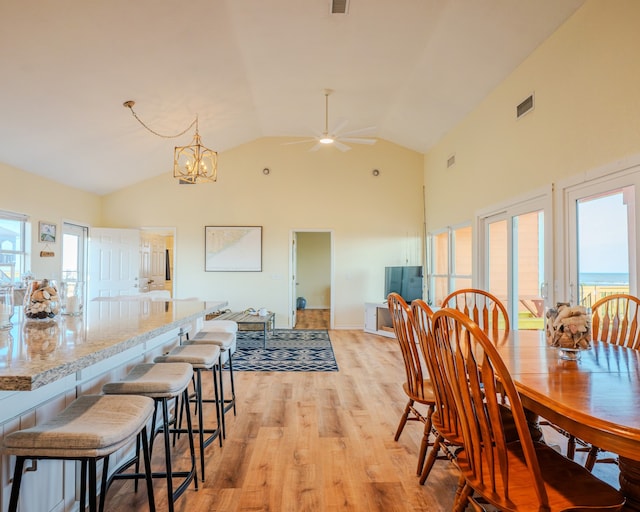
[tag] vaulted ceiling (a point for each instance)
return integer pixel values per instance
(248, 69)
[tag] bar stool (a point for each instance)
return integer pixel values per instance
(90, 429)
(201, 358)
(162, 382)
(228, 344)
(219, 326)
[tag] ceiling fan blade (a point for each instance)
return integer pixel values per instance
(339, 127)
(298, 142)
(341, 146)
(358, 140)
(317, 147)
(364, 132)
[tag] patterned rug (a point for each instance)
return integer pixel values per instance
(287, 351)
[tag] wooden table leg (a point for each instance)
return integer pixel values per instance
(630, 482)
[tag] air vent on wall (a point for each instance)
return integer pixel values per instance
(524, 107)
(184, 182)
(451, 161)
(339, 6)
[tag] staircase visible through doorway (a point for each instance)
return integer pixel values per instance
(312, 319)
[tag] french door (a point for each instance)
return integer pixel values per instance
(514, 258)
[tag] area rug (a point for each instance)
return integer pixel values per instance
(287, 350)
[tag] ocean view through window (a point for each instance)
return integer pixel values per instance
(604, 244)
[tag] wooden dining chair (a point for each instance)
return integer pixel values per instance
(517, 475)
(484, 308)
(444, 419)
(416, 386)
(614, 319)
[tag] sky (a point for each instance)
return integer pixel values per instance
(603, 235)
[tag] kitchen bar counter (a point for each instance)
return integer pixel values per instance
(36, 353)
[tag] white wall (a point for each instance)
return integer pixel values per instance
(374, 219)
(586, 79)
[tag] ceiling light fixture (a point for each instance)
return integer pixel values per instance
(326, 138)
(193, 163)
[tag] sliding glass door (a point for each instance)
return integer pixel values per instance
(514, 256)
(601, 239)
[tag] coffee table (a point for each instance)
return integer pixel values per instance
(267, 322)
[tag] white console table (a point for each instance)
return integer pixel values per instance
(377, 319)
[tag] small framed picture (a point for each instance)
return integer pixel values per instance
(47, 232)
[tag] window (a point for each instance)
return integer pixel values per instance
(12, 246)
(601, 219)
(603, 244)
(450, 263)
(74, 250)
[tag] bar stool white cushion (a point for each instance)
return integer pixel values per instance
(220, 326)
(92, 426)
(226, 341)
(199, 356)
(222, 338)
(153, 380)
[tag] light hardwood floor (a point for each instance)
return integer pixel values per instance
(312, 319)
(316, 442)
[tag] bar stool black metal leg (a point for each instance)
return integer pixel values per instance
(15, 487)
(219, 399)
(167, 448)
(83, 484)
(93, 485)
(105, 479)
(233, 387)
(146, 453)
(221, 403)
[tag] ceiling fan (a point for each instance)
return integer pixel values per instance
(333, 137)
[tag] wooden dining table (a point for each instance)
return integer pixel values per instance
(596, 398)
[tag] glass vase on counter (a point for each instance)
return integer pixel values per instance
(6, 306)
(41, 300)
(71, 298)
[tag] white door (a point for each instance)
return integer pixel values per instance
(114, 262)
(152, 262)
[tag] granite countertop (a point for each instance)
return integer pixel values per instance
(36, 353)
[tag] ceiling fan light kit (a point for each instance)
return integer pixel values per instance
(333, 137)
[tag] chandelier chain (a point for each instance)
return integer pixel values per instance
(194, 122)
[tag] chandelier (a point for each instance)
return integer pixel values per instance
(193, 163)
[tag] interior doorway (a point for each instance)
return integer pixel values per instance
(157, 259)
(312, 279)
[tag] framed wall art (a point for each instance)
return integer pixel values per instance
(47, 232)
(233, 248)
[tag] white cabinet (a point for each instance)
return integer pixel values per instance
(377, 319)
